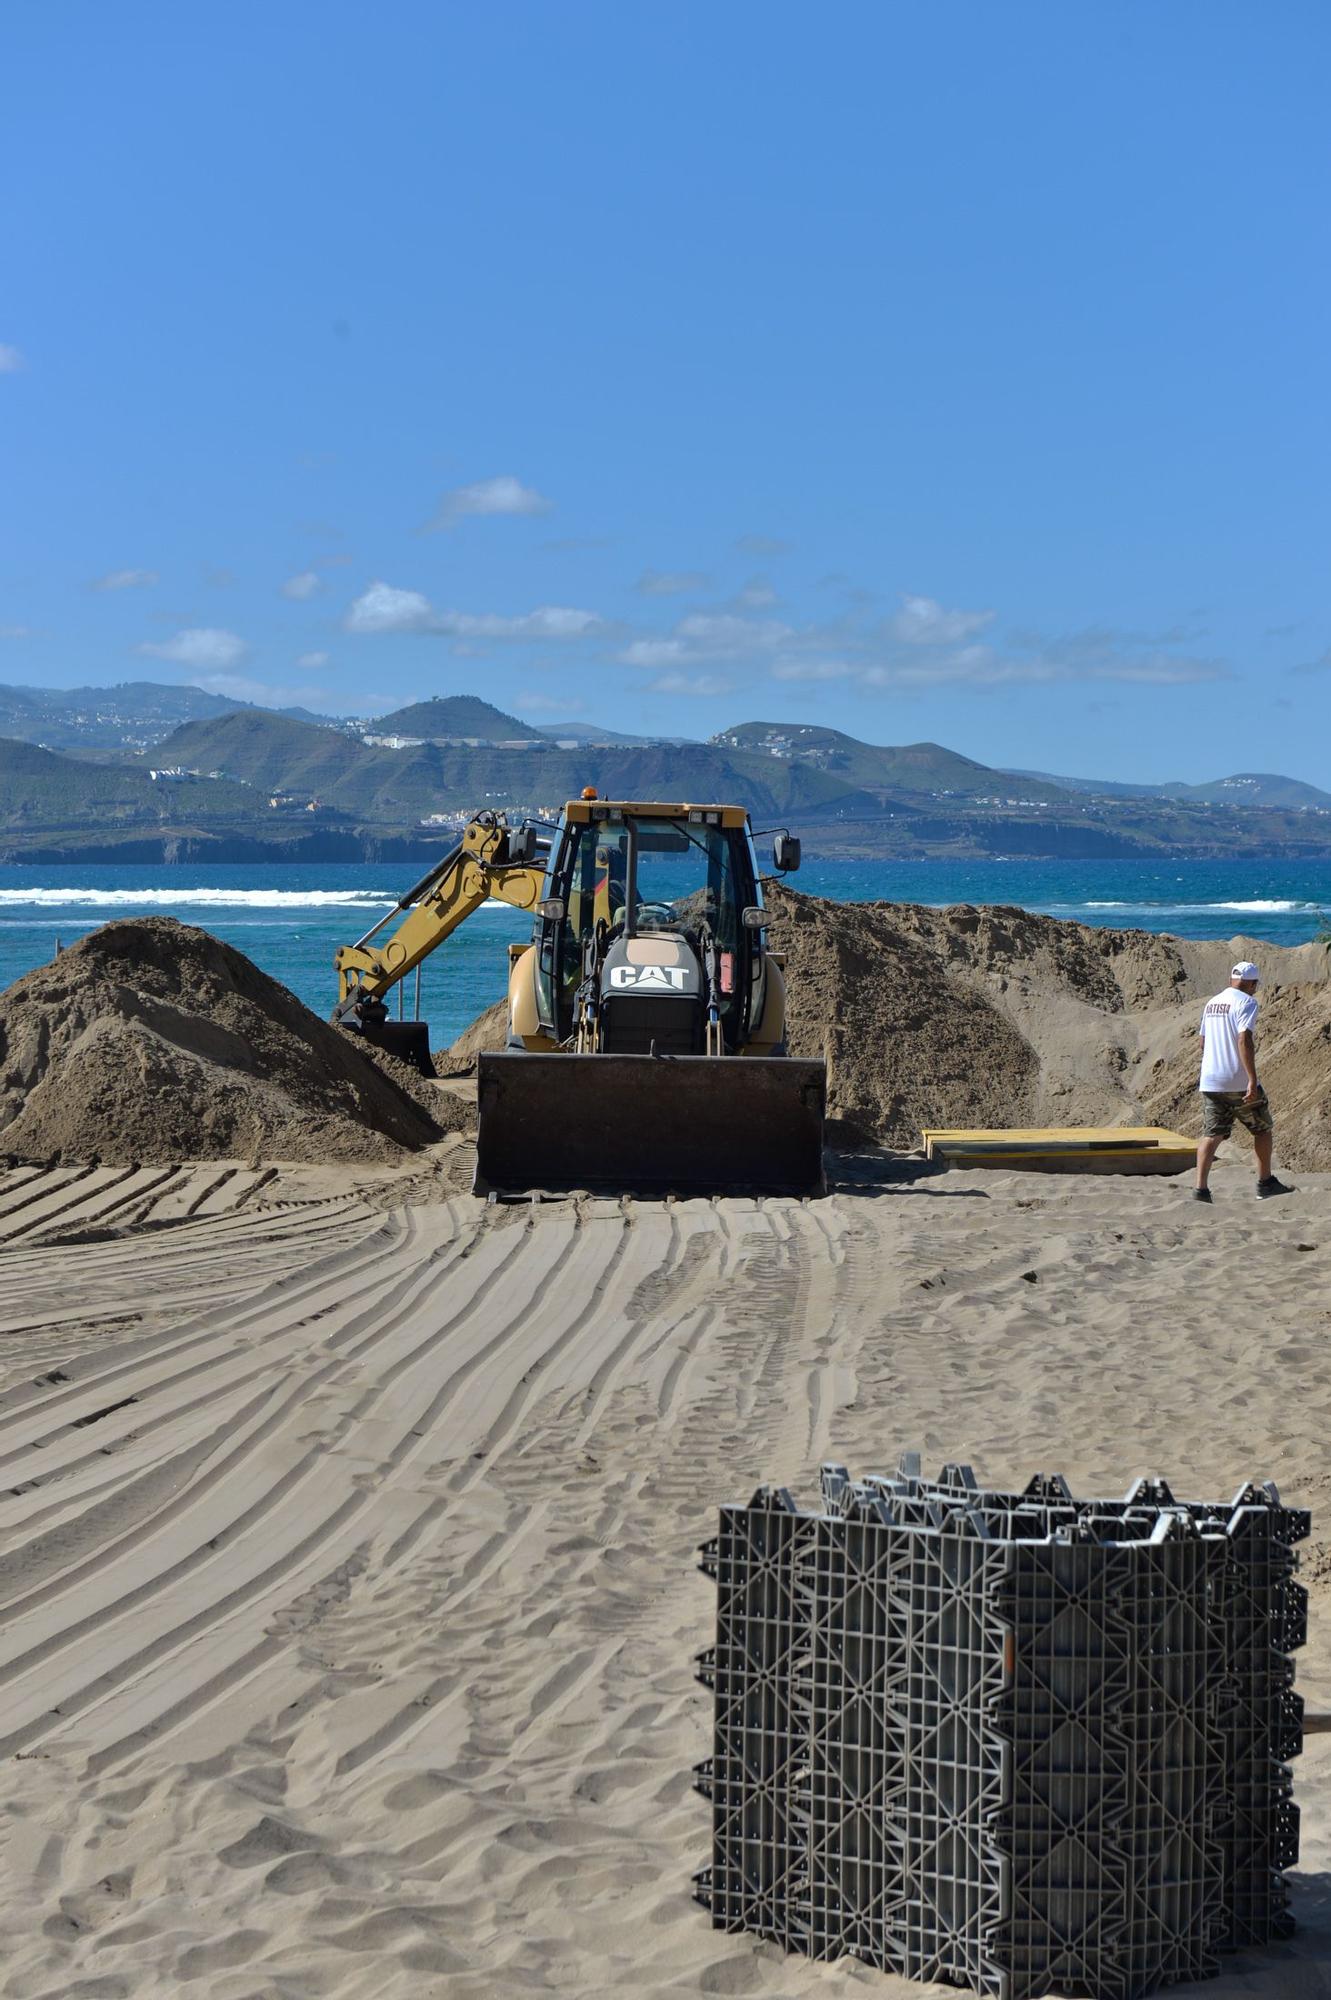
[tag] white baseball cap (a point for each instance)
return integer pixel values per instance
(1245, 969)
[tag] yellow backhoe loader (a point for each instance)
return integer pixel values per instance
(646, 1018)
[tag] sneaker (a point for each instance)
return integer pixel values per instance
(1266, 1188)
(1201, 1194)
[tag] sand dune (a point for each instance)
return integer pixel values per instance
(348, 1570)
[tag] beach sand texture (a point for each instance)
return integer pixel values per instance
(348, 1572)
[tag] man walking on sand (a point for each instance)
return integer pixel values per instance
(1229, 1085)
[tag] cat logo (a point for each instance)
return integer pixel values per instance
(664, 978)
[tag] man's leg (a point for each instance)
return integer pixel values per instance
(1263, 1144)
(1206, 1152)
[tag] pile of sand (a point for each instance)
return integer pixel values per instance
(151, 1040)
(995, 1016)
(998, 1017)
(488, 1032)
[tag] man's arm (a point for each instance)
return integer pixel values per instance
(1248, 1057)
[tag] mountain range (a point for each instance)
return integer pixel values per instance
(1244, 788)
(137, 715)
(201, 775)
(131, 716)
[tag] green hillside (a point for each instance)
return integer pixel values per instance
(913, 767)
(400, 787)
(41, 788)
(272, 752)
(453, 715)
(1253, 788)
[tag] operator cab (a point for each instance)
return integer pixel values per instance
(650, 925)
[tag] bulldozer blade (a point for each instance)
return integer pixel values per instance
(653, 1125)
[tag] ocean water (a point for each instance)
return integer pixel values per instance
(290, 919)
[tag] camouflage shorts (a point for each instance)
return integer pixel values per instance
(1221, 1107)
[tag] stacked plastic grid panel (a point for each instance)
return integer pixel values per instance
(902, 1773)
(755, 1882)
(1260, 1614)
(1034, 1743)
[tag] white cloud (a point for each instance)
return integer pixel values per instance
(548, 621)
(978, 665)
(18, 632)
(923, 621)
(983, 666)
(11, 361)
(764, 545)
(881, 655)
(264, 694)
(1102, 653)
(710, 635)
(383, 608)
(725, 636)
(312, 660)
(755, 595)
(692, 684)
(654, 652)
(202, 647)
(302, 586)
(126, 579)
(670, 582)
(505, 495)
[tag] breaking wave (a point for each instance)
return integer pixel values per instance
(239, 899)
(1263, 905)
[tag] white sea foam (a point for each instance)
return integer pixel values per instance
(239, 899)
(369, 902)
(1262, 905)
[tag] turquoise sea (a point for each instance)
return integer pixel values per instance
(290, 919)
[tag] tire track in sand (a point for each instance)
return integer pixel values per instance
(247, 1538)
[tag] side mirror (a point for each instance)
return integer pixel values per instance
(552, 909)
(753, 918)
(521, 845)
(785, 854)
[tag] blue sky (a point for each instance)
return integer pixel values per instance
(952, 371)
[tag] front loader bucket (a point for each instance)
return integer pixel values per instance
(652, 1125)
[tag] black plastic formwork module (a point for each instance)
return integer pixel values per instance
(1261, 1614)
(756, 1878)
(973, 1736)
(904, 1661)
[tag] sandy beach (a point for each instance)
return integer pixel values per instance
(655, 664)
(349, 1577)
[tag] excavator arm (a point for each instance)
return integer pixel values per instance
(491, 859)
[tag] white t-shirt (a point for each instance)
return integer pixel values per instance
(1223, 1021)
